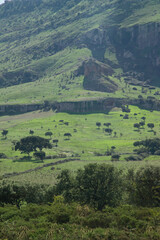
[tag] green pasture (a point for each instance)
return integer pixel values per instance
(86, 143)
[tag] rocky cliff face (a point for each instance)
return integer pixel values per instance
(90, 106)
(96, 76)
(138, 49)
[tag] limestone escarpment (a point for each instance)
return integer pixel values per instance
(84, 106)
(138, 49)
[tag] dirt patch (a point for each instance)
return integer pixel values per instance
(26, 116)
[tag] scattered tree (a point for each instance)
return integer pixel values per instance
(55, 141)
(150, 125)
(98, 124)
(108, 130)
(107, 124)
(137, 125)
(115, 134)
(31, 132)
(143, 118)
(48, 134)
(4, 133)
(115, 157)
(126, 116)
(68, 135)
(32, 143)
(142, 123)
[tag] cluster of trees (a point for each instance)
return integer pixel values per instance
(150, 146)
(142, 123)
(95, 185)
(101, 185)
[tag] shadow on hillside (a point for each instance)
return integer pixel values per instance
(28, 159)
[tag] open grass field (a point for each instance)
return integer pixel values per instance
(86, 143)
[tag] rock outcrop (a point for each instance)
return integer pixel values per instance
(137, 49)
(96, 76)
(85, 106)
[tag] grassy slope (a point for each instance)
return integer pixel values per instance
(44, 41)
(150, 12)
(27, 48)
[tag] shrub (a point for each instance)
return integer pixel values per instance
(133, 158)
(3, 155)
(97, 219)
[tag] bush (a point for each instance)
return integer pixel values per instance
(133, 158)
(2, 155)
(97, 219)
(115, 157)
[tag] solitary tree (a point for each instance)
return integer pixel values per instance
(98, 124)
(108, 130)
(143, 118)
(49, 134)
(4, 133)
(31, 132)
(115, 134)
(137, 125)
(55, 141)
(67, 135)
(150, 125)
(142, 123)
(31, 144)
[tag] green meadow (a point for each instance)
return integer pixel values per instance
(87, 144)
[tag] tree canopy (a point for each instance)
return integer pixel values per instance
(150, 145)
(97, 185)
(31, 144)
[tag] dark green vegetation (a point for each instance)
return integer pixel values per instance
(30, 144)
(72, 221)
(68, 217)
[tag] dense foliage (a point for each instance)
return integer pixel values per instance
(150, 146)
(72, 221)
(77, 209)
(95, 185)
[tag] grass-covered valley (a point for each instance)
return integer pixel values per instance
(79, 120)
(88, 142)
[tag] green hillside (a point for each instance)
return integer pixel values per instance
(79, 120)
(43, 42)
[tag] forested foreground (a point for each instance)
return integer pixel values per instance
(97, 202)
